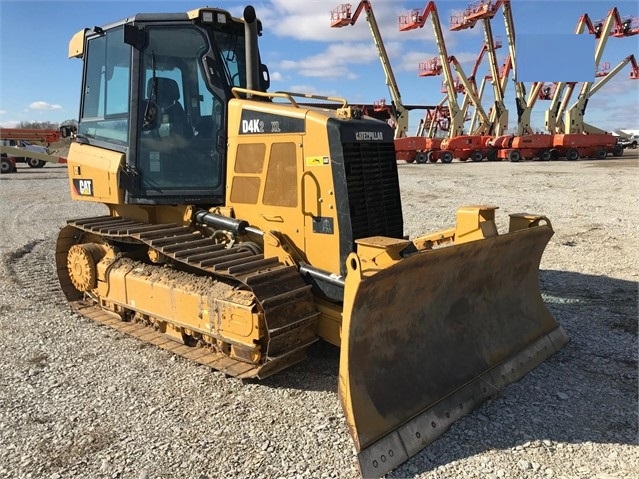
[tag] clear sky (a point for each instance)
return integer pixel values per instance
(303, 53)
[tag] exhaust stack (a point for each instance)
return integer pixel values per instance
(251, 52)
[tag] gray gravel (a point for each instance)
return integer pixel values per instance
(78, 400)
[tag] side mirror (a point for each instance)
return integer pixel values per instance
(266, 78)
(134, 36)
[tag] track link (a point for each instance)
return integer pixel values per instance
(285, 299)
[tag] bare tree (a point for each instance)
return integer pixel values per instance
(39, 125)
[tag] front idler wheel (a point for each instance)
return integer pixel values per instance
(82, 260)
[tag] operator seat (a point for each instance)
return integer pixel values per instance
(173, 118)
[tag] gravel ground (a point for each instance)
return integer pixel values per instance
(78, 400)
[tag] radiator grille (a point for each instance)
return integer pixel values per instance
(373, 189)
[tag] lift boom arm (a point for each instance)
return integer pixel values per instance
(575, 114)
(523, 110)
(485, 11)
(573, 120)
(342, 17)
(499, 115)
(414, 19)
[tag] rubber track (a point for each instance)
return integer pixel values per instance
(289, 308)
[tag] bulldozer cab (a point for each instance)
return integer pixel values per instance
(156, 88)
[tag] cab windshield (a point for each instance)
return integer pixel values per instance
(232, 52)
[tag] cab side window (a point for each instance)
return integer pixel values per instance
(177, 146)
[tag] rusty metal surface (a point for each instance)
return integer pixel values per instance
(434, 328)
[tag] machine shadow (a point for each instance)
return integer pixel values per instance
(318, 372)
(585, 393)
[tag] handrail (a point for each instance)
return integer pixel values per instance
(343, 101)
(287, 95)
(237, 90)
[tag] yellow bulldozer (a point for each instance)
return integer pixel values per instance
(244, 225)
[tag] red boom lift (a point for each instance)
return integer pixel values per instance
(456, 144)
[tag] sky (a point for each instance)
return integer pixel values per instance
(304, 54)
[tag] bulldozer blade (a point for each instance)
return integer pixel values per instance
(427, 339)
